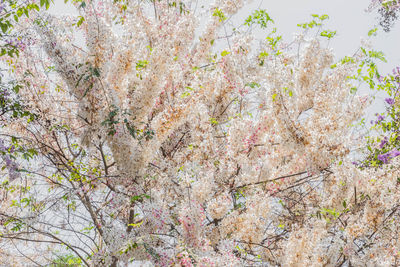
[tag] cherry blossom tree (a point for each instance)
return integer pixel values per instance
(173, 136)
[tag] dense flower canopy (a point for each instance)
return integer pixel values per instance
(173, 137)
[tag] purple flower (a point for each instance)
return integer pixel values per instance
(394, 153)
(383, 143)
(379, 118)
(8, 160)
(389, 155)
(384, 157)
(390, 101)
(11, 165)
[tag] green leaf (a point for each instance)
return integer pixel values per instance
(253, 85)
(213, 121)
(377, 54)
(218, 13)
(80, 21)
(372, 32)
(45, 3)
(36, 7)
(328, 34)
(16, 88)
(4, 27)
(263, 54)
(141, 64)
(96, 72)
(324, 17)
(260, 17)
(224, 53)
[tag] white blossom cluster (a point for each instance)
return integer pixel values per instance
(182, 156)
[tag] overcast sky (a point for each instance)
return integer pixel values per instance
(347, 17)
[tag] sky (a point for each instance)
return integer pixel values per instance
(347, 17)
(352, 23)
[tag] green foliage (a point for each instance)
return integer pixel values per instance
(328, 34)
(10, 106)
(137, 133)
(253, 85)
(273, 42)
(213, 121)
(372, 54)
(328, 215)
(128, 247)
(261, 57)
(16, 225)
(113, 119)
(383, 143)
(259, 17)
(367, 71)
(372, 32)
(219, 14)
(182, 7)
(90, 73)
(80, 21)
(315, 22)
(45, 3)
(288, 91)
(139, 198)
(225, 53)
(187, 92)
(389, 3)
(141, 64)
(83, 3)
(66, 260)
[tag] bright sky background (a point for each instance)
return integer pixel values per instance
(347, 17)
(351, 21)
